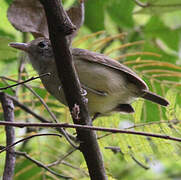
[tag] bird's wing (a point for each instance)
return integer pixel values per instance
(100, 93)
(101, 59)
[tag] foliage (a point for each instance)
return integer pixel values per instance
(156, 60)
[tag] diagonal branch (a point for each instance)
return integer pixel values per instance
(68, 136)
(59, 26)
(61, 159)
(27, 109)
(23, 82)
(26, 138)
(38, 163)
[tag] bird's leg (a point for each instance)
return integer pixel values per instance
(83, 92)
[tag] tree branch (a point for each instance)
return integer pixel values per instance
(93, 128)
(38, 163)
(26, 138)
(142, 4)
(68, 136)
(8, 109)
(23, 82)
(61, 159)
(59, 26)
(28, 110)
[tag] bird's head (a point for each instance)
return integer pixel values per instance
(39, 51)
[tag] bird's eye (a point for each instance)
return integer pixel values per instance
(42, 44)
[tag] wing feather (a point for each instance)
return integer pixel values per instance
(101, 59)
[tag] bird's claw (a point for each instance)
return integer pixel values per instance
(83, 92)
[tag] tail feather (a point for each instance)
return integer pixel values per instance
(154, 98)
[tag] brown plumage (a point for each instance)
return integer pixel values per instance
(110, 86)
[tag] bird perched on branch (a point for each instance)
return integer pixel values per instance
(110, 86)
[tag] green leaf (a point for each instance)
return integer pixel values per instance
(155, 28)
(138, 106)
(121, 12)
(6, 52)
(160, 6)
(5, 24)
(94, 14)
(171, 97)
(8, 1)
(25, 169)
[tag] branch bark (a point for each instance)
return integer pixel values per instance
(59, 26)
(8, 108)
(93, 128)
(40, 164)
(27, 109)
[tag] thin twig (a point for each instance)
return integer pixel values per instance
(26, 138)
(35, 161)
(136, 161)
(85, 127)
(21, 66)
(7, 84)
(74, 167)
(114, 149)
(38, 163)
(139, 163)
(105, 135)
(61, 159)
(68, 136)
(174, 121)
(28, 110)
(23, 82)
(148, 4)
(143, 5)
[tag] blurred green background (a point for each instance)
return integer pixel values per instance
(152, 48)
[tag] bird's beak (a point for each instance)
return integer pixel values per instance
(21, 46)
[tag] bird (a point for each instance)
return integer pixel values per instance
(110, 86)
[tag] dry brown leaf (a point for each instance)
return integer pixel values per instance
(76, 15)
(29, 16)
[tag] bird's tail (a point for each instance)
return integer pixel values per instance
(154, 98)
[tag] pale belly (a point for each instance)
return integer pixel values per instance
(114, 87)
(104, 105)
(109, 81)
